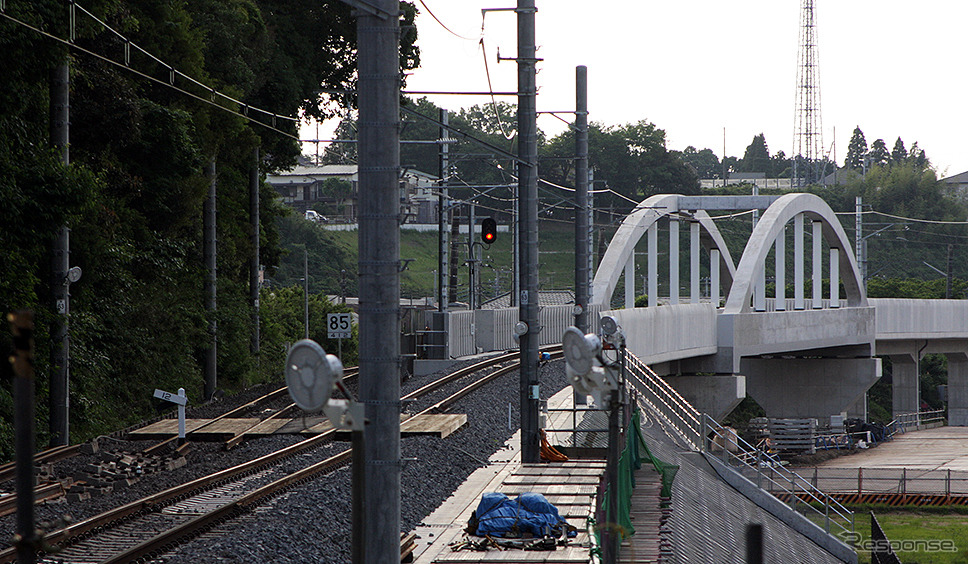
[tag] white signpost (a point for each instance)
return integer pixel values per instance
(182, 400)
(340, 326)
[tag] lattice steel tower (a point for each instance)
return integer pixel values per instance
(808, 154)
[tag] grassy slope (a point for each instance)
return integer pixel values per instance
(556, 264)
(919, 525)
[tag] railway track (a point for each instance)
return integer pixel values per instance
(155, 524)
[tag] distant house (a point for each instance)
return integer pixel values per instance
(302, 188)
(958, 182)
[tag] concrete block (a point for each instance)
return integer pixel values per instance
(715, 395)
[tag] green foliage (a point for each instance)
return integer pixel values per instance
(133, 193)
(757, 156)
(704, 162)
(856, 150)
(283, 323)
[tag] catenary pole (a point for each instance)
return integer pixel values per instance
(443, 205)
(209, 258)
(254, 261)
(528, 230)
(59, 423)
(581, 193)
(379, 243)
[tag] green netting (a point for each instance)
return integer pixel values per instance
(629, 461)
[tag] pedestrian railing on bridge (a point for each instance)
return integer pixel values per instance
(702, 433)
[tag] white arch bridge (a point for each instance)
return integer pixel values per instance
(797, 356)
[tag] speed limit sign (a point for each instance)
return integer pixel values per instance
(340, 325)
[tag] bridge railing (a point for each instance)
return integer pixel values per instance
(702, 433)
(905, 421)
(678, 413)
(769, 474)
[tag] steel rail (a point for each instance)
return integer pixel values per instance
(153, 502)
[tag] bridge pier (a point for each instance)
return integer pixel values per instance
(716, 395)
(957, 389)
(905, 390)
(809, 387)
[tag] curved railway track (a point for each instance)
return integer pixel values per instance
(157, 523)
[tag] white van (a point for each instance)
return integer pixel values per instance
(313, 215)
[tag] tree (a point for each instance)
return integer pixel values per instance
(899, 153)
(856, 150)
(878, 154)
(704, 162)
(757, 156)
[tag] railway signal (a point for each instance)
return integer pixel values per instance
(488, 230)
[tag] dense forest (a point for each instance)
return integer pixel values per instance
(158, 92)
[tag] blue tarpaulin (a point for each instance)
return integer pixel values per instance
(530, 514)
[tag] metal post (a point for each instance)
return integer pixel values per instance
(443, 296)
(471, 258)
(60, 263)
(211, 356)
(859, 238)
(22, 362)
(379, 244)
(528, 230)
(254, 262)
(306, 290)
(181, 417)
(582, 270)
(359, 497)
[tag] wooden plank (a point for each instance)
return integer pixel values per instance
(441, 425)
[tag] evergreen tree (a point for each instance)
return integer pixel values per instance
(899, 153)
(856, 150)
(878, 154)
(757, 156)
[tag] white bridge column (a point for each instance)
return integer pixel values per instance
(653, 239)
(798, 262)
(694, 295)
(630, 281)
(834, 277)
(673, 261)
(817, 266)
(714, 277)
(779, 250)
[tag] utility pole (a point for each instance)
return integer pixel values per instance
(443, 205)
(582, 248)
(306, 290)
(471, 258)
(209, 250)
(859, 239)
(378, 32)
(60, 364)
(528, 230)
(254, 262)
(947, 290)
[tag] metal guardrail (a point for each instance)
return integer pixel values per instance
(703, 433)
(906, 421)
(770, 475)
(666, 401)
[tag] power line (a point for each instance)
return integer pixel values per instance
(434, 16)
(245, 108)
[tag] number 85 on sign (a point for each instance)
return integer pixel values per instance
(339, 325)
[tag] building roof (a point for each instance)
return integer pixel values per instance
(545, 298)
(957, 179)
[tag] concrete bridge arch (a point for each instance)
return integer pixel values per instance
(643, 221)
(769, 233)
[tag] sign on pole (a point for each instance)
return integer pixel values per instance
(339, 325)
(181, 400)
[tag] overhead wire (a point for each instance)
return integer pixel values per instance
(170, 84)
(434, 16)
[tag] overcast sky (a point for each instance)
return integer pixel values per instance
(694, 68)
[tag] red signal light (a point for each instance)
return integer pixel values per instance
(488, 230)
